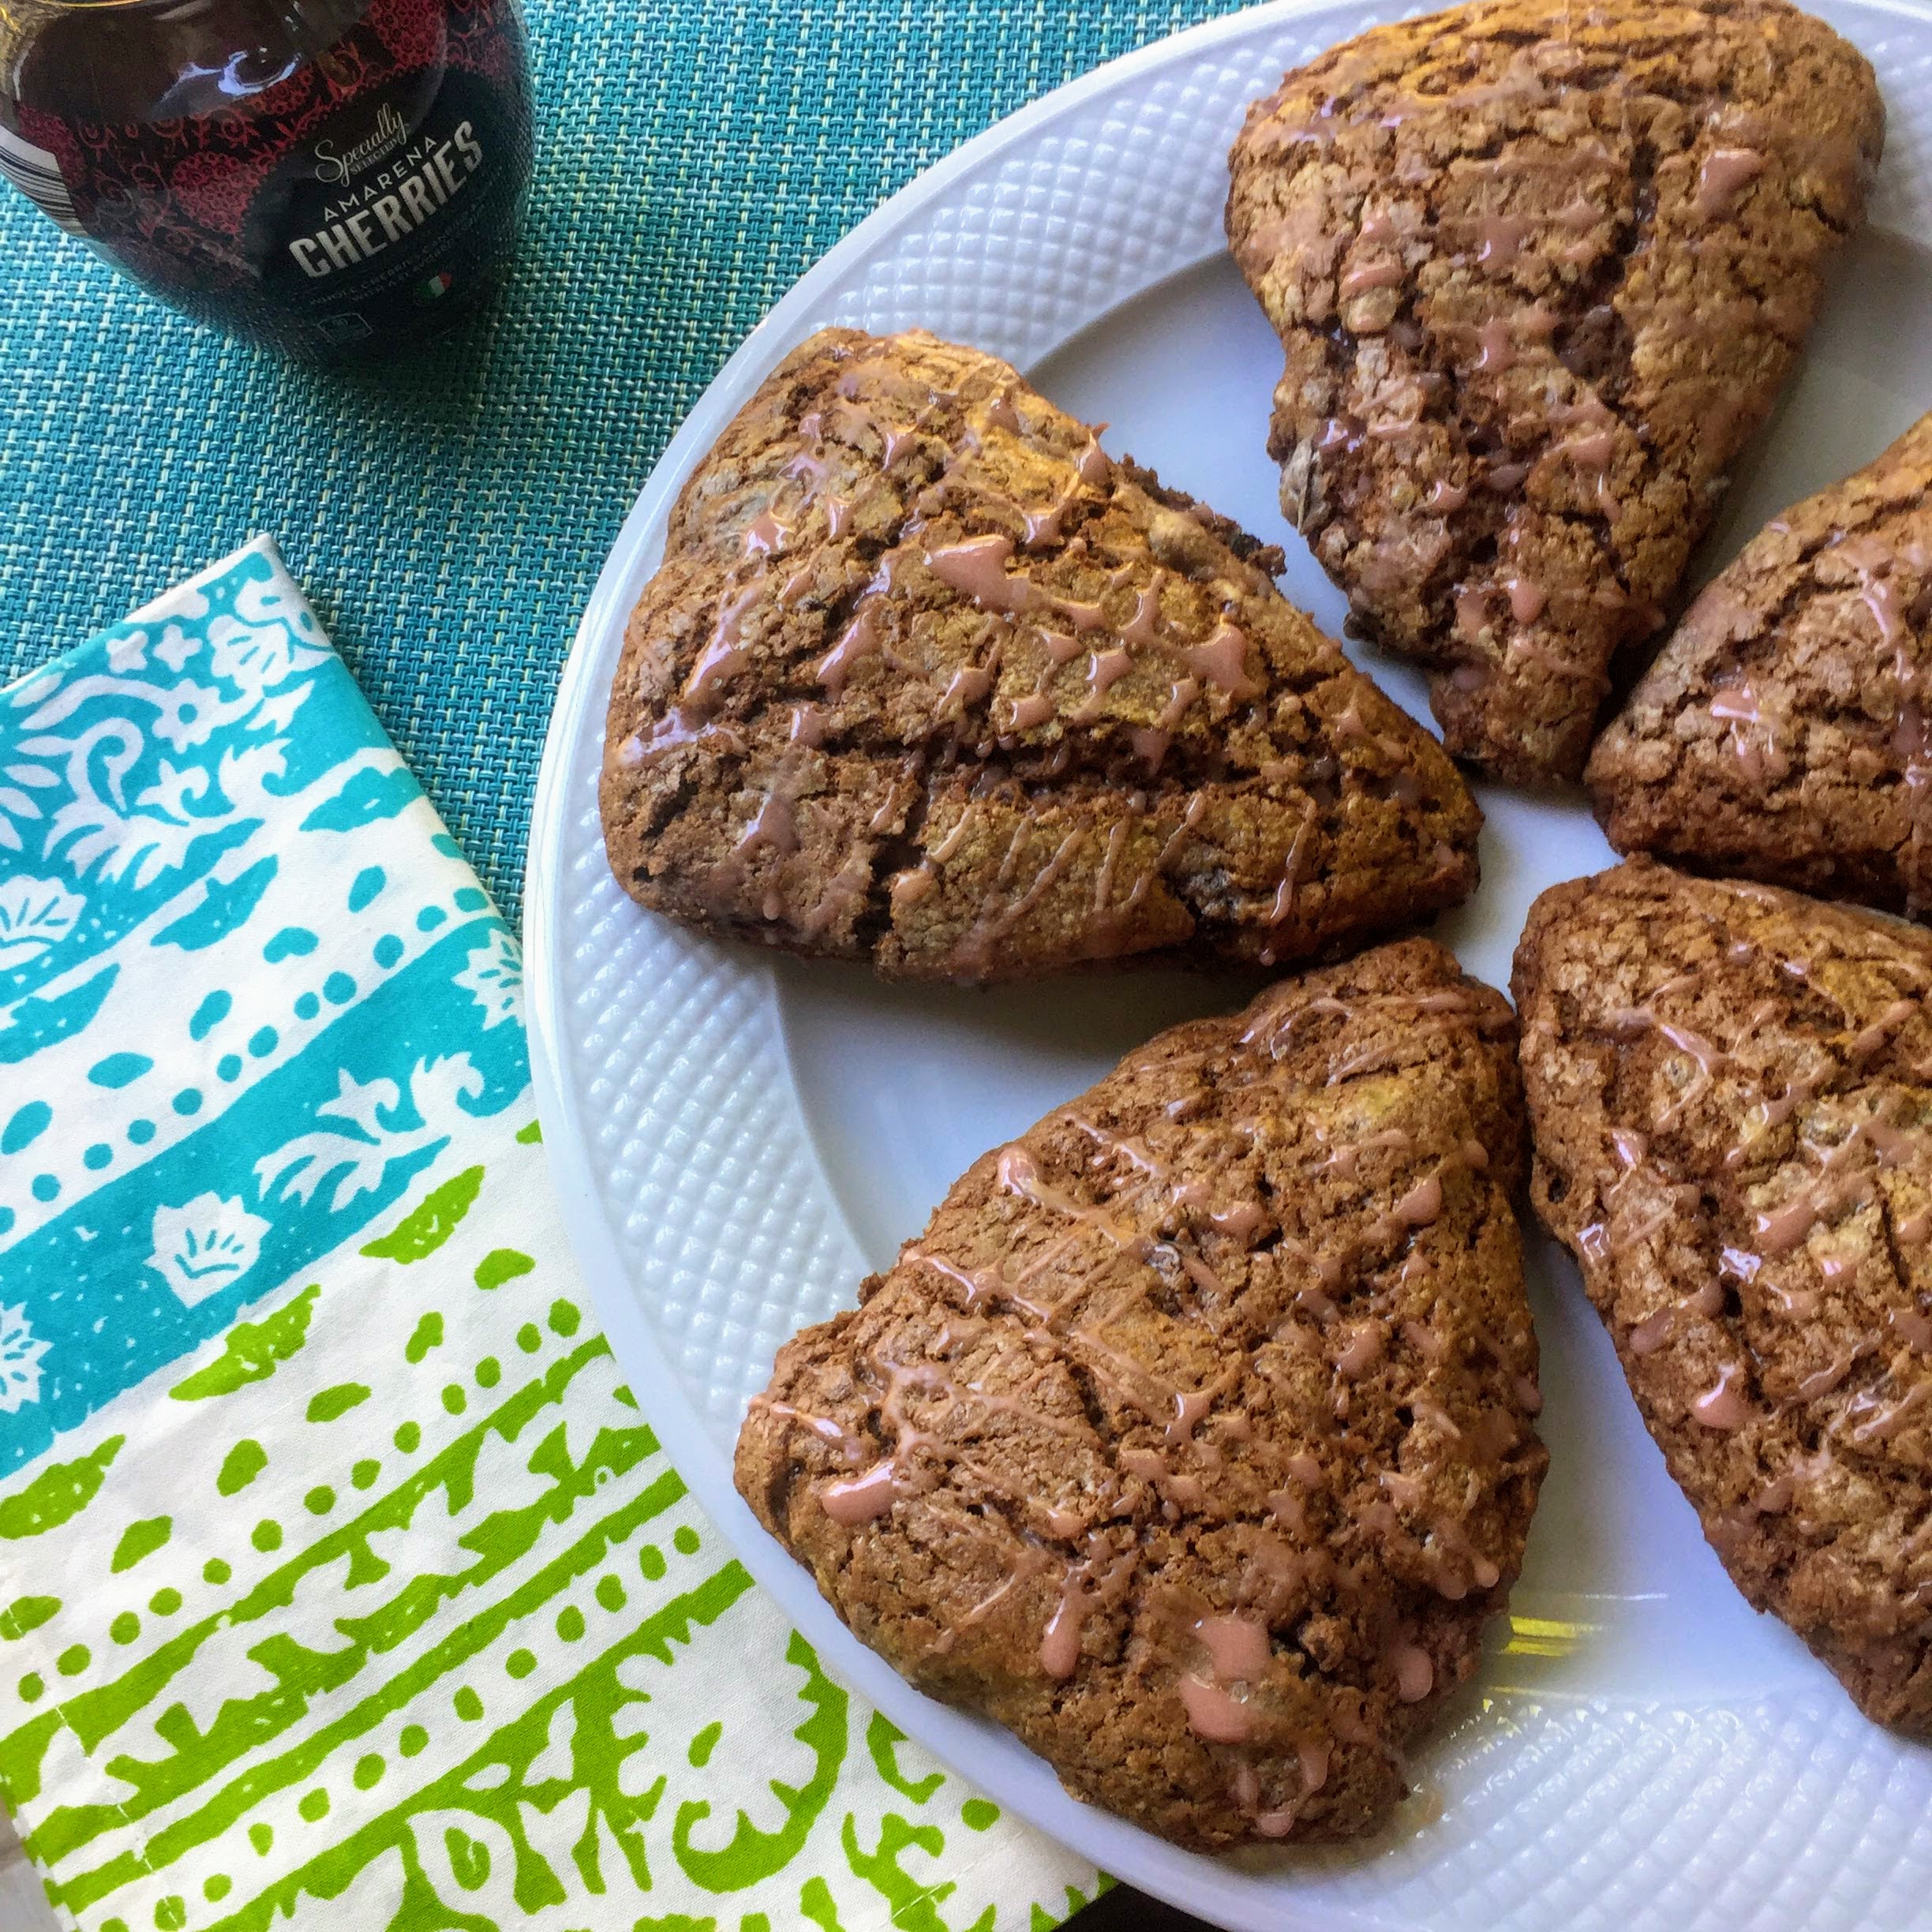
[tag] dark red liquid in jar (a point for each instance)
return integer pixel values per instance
(335, 178)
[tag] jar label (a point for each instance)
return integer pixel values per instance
(36, 174)
(356, 195)
(381, 219)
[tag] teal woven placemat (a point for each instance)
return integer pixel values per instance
(448, 516)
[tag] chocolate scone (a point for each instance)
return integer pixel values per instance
(1540, 272)
(1193, 1438)
(928, 679)
(1783, 732)
(1731, 1093)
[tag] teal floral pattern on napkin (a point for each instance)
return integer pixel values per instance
(342, 1583)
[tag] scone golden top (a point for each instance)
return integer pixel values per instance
(1540, 270)
(928, 679)
(1783, 732)
(1731, 1093)
(1193, 1439)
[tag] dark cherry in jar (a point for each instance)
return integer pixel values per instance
(335, 178)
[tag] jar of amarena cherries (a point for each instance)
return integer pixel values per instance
(335, 177)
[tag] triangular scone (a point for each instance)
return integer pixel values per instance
(928, 679)
(1193, 1439)
(1731, 1093)
(1540, 270)
(1785, 732)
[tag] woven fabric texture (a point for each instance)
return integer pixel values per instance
(448, 514)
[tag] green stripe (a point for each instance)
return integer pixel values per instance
(220, 1813)
(31, 1740)
(240, 1728)
(599, 1754)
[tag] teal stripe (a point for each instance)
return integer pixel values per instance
(83, 1281)
(148, 863)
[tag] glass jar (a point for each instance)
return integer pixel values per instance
(335, 177)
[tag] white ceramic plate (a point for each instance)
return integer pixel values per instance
(737, 1143)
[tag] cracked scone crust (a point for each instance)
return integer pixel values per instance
(928, 679)
(1539, 270)
(1193, 1439)
(1731, 1094)
(1782, 733)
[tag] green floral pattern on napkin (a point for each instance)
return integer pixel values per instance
(342, 1582)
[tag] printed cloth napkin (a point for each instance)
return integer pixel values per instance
(342, 1583)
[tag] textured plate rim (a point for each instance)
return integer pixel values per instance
(1186, 1879)
(1211, 1888)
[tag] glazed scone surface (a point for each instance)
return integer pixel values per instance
(1540, 270)
(1782, 733)
(928, 679)
(1731, 1094)
(1193, 1438)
